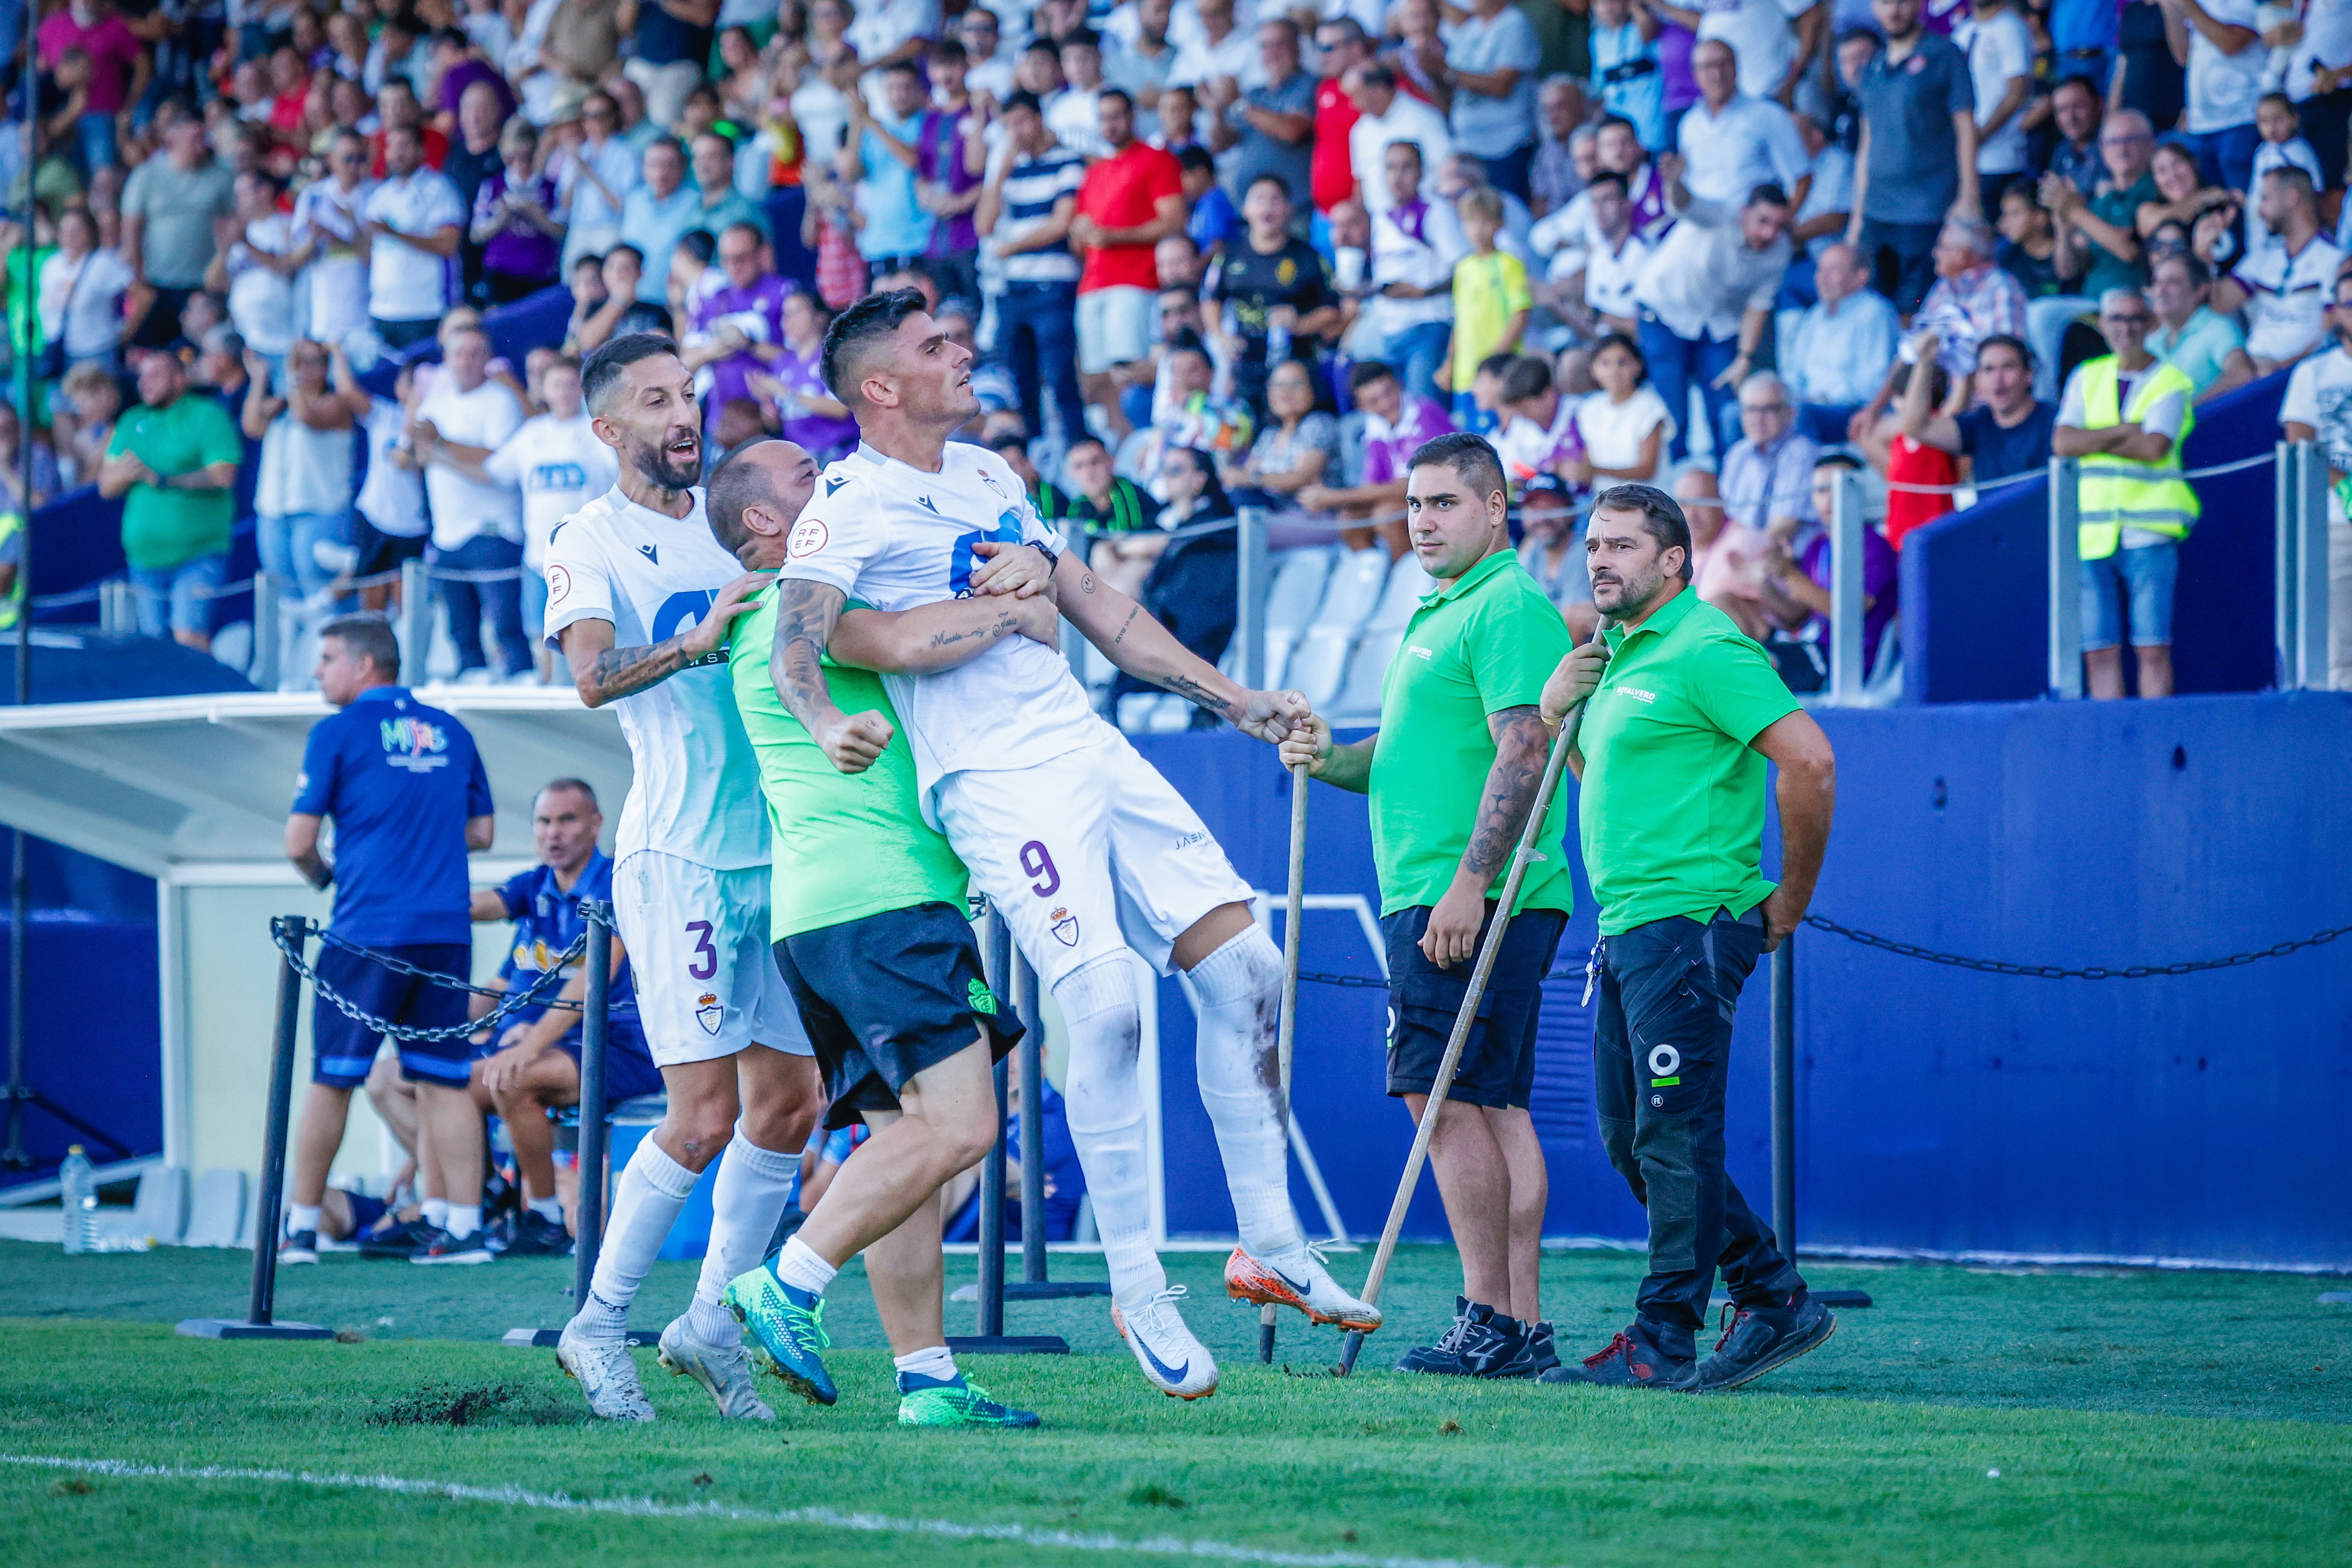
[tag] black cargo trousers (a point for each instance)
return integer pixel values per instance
(1661, 1055)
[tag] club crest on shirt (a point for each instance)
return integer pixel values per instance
(1066, 927)
(709, 1013)
(808, 536)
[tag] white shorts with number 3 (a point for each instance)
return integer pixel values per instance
(1088, 853)
(697, 940)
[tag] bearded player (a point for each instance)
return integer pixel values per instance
(639, 598)
(1086, 850)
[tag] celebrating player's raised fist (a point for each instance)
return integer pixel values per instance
(855, 741)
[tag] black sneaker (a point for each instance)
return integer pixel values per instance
(1534, 1356)
(1758, 1339)
(444, 1248)
(1631, 1360)
(538, 1236)
(399, 1240)
(1475, 1343)
(298, 1247)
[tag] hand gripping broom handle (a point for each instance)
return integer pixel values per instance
(1487, 950)
(1288, 1029)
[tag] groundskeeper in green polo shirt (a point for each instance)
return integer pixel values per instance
(845, 846)
(1670, 815)
(1478, 645)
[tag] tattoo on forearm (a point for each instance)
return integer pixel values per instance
(618, 672)
(1086, 583)
(1005, 625)
(1192, 691)
(1521, 744)
(1133, 611)
(806, 612)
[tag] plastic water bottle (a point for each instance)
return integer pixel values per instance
(79, 1185)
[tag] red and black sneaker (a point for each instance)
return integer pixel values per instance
(1758, 1339)
(1629, 1361)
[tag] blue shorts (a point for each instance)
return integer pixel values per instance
(2145, 577)
(1498, 1068)
(178, 598)
(343, 1048)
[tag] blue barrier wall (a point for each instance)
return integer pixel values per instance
(1976, 623)
(1941, 1110)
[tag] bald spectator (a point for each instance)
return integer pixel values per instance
(1554, 179)
(1835, 358)
(2099, 232)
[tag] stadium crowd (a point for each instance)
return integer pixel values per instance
(1213, 254)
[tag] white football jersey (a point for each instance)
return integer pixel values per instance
(695, 789)
(560, 466)
(897, 537)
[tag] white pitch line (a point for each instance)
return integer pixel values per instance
(822, 1517)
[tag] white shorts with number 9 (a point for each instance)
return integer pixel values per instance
(697, 940)
(1088, 853)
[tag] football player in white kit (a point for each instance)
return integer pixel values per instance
(1084, 847)
(639, 597)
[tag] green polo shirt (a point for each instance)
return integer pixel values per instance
(1482, 643)
(160, 528)
(843, 846)
(1670, 815)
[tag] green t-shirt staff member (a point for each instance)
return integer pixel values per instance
(868, 912)
(173, 461)
(1683, 712)
(1452, 774)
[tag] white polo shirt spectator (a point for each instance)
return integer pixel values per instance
(2000, 50)
(2286, 297)
(1406, 119)
(1197, 61)
(1761, 32)
(1703, 277)
(1415, 244)
(407, 285)
(260, 299)
(1751, 142)
(882, 28)
(466, 508)
(558, 466)
(327, 215)
(1610, 274)
(2224, 88)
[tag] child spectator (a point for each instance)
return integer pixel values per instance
(2276, 119)
(1490, 302)
(1625, 74)
(1625, 425)
(1903, 460)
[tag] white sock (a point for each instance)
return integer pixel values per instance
(646, 1201)
(301, 1217)
(746, 1201)
(549, 1209)
(1106, 1113)
(465, 1219)
(436, 1213)
(1237, 996)
(935, 1361)
(803, 1268)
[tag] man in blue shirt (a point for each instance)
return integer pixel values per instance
(532, 1066)
(409, 798)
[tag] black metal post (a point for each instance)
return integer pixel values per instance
(595, 1023)
(20, 901)
(1784, 1095)
(269, 1211)
(991, 1171)
(1032, 1122)
(13, 1155)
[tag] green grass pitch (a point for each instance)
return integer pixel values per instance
(2132, 1418)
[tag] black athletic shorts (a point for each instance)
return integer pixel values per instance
(885, 997)
(1498, 1060)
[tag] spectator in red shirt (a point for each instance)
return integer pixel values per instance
(1128, 203)
(1332, 174)
(396, 104)
(119, 73)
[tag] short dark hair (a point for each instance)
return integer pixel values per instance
(908, 67)
(1270, 177)
(1496, 364)
(602, 370)
(2078, 79)
(1084, 441)
(1377, 75)
(733, 486)
(1611, 177)
(1527, 377)
(1195, 157)
(1363, 372)
(875, 316)
(1606, 121)
(2009, 340)
(1836, 459)
(1082, 38)
(634, 250)
(2294, 175)
(1662, 516)
(369, 637)
(1470, 458)
(581, 785)
(1106, 94)
(1024, 98)
(947, 51)
(1768, 195)
(1045, 45)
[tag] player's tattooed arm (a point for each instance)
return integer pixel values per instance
(603, 673)
(806, 616)
(1522, 747)
(942, 635)
(1131, 639)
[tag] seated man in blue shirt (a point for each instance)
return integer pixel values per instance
(1837, 351)
(410, 800)
(533, 1067)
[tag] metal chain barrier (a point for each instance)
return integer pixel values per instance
(2057, 972)
(509, 1002)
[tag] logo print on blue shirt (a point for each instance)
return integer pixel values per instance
(417, 744)
(681, 613)
(963, 563)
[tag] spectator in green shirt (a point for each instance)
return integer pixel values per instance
(1453, 773)
(1682, 714)
(2098, 236)
(173, 461)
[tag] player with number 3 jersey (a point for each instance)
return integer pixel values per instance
(1088, 852)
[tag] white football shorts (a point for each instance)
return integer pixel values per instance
(697, 939)
(1087, 854)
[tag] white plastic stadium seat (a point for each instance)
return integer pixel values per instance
(1299, 576)
(1316, 667)
(1406, 585)
(1358, 702)
(1354, 592)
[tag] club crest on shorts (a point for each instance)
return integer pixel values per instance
(709, 1013)
(1066, 927)
(980, 998)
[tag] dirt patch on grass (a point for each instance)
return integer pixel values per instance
(440, 1403)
